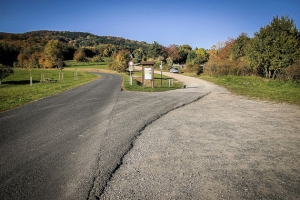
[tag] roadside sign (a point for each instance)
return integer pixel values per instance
(130, 63)
(130, 68)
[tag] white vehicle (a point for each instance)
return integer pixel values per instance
(174, 70)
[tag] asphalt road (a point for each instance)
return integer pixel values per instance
(68, 146)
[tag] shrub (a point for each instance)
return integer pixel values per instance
(5, 71)
(97, 58)
(292, 72)
(121, 62)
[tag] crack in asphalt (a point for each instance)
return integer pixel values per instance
(94, 179)
(131, 145)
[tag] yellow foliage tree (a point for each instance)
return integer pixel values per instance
(52, 55)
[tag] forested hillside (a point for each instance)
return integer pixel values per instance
(77, 39)
(40, 48)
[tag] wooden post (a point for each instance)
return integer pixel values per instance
(143, 77)
(30, 78)
(42, 78)
(152, 70)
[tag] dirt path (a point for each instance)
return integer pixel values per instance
(221, 147)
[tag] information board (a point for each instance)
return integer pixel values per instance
(148, 73)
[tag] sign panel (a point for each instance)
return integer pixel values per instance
(130, 63)
(130, 68)
(148, 73)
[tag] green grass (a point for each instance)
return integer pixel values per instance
(15, 90)
(158, 87)
(82, 65)
(259, 88)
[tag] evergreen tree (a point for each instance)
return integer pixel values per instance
(275, 47)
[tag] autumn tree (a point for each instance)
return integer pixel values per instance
(221, 59)
(23, 61)
(109, 50)
(121, 62)
(225, 52)
(172, 54)
(79, 55)
(214, 59)
(52, 55)
(29, 56)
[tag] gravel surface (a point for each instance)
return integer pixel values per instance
(222, 146)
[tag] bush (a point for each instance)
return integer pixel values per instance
(121, 61)
(292, 72)
(116, 66)
(79, 56)
(97, 58)
(5, 71)
(189, 68)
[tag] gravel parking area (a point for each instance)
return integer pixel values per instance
(222, 146)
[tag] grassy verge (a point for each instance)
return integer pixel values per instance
(259, 88)
(15, 90)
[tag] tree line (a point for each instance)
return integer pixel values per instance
(273, 52)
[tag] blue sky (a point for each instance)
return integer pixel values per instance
(198, 23)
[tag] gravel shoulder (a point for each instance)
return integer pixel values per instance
(221, 146)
